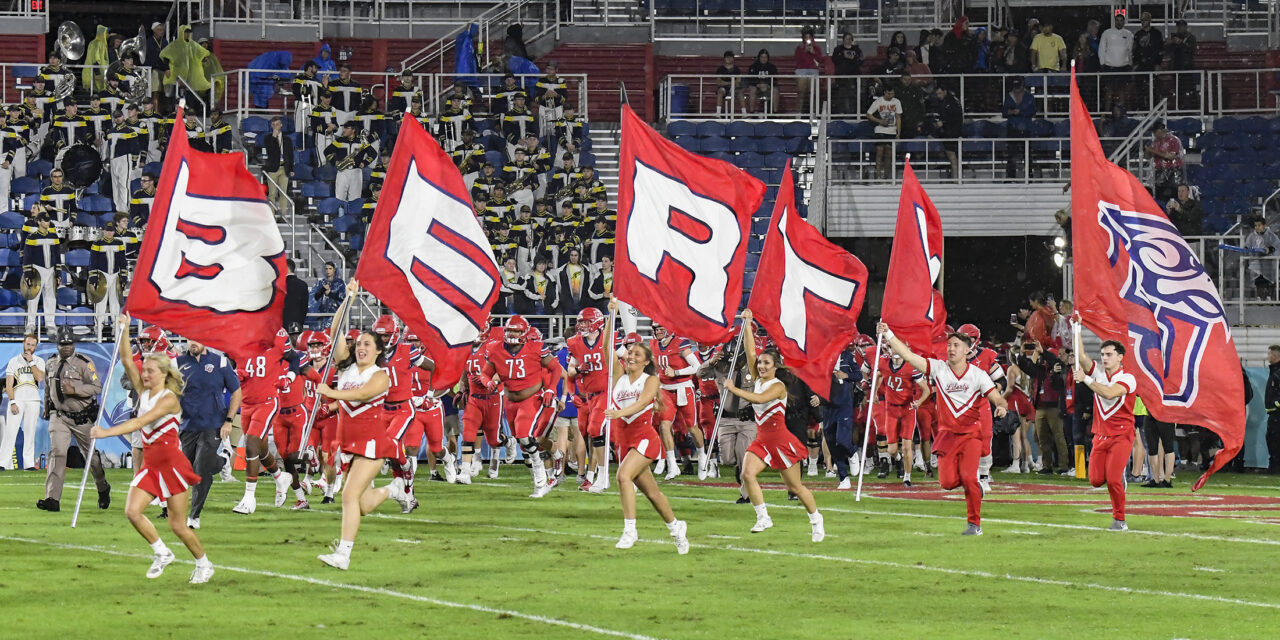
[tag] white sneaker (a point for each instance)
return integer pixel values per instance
(336, 560)
(1014, 468)
(673, 473)
(247, 505)
(450, 473)
(918, 461)
(1037, 465)
(855, 465)
(985, 483)
(301, 505)
(493, 473)
(762, 523)
(201, 574)
(845, 484)
(225, 475)
(395, 491)
(475, 467)
(702, 468)
(1069, 472)
(598, 487)
(831, 473)
(464, 475)
(158, 563)
(813, 470)
(681, 534)
(818, 531)
(282, 487)
(660, 467)
(511, 451)
(193, 523)
(413, 504)
(307, 485)
(627, 540)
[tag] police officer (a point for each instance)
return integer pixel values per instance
(837, 414)
(71, 406)
(206, 416)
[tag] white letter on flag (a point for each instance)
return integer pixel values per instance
(669, 221)
(801, 277)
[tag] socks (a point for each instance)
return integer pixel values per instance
(300, 494)
(158, 547)
(344, 547)
(762, 511)
(203, 561)
(539, 471)
(601, 476)
(629, 525)
(671, 526)
(984, 466)
(410, 470)
(250, 487)
(815, 517)
(671, 459)
(813, 460)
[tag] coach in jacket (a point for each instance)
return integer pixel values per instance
(279, 163)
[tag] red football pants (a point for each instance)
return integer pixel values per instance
(287, 431)
(482, 413)
(958, 455)
(523, 416)
(1107, 463)
(591, 415)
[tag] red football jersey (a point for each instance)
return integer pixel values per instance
(419, 386)
(985, 360)
(400, 368)
(898, 385)
(593, 375)
(259, 374)
(670, 355)
(475, 369)
(518, 371)
(296, 392)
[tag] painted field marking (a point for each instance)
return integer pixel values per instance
(1209, 569)
(355, 587)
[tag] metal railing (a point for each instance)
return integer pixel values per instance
(264, 14)
(1244, 91)
(16, 77)
(848, 15)
(982, 95)
(606, 12)
(25, 9)
(1236, 17)
(981, 160)
(541, 16)
(1130, 153)
(712, 20)
(410, 13)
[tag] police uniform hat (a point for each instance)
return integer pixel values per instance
(66, 336)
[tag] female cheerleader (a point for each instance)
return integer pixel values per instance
(774, 445)
(166, 474)
(635, 390)
(362, 430)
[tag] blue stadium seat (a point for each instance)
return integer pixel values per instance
(758, 173)
(760, 226)
(755, 244)
(29, 200)
(153, 168)
(992, 129)
(303, 173)
(864, 129)
(713, 144)
(743, 145)
(328, 207)
(39, 168)
(496, 158)
(770, 129)
(748, 280)
(1062, 129)
(96, 204)
(135, 184)
(586, 159)
(344, 224)
(255, 124)
(1041, 128)
(721, 155)
(776, 160)
(317, 190)
(681, 128)
(799, 145)
(67, 297)
(749, 160)
(772, 145)
(1186, 126)
(83, 317)
(303, 156)
(24, 185)
(797, 130)
(753, 259)
(10, 258)
(11, 220)
(327, 173)
(355, 242)
(77, 258)
(10, 298)
(740, 129)
(710, 129)
(688, 143)
(840, 129)
(353, 207)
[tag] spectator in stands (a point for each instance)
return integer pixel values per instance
(601, 241)
(346, 95)
(484, 183)
(326, 294)
(195, 133)
(924, 42)
(41, 256)
(1148, 53)
(898, 41)
(510, 288)
(1048, 51)
(1115, 56)
(155, 43)
(913, 97)
(920, 72)
(760, 88)
(886, 114)
(602, 284)
(1093, 35)
(1166, 149)
(958, 48)
(324, 61)
(947, 123)
(1266, 242)
(571, 285)
(218, 134)
(893, 63)
(503, 100)
(1084, 55)
(517, 123)
(1014, 57)
(278, 165)
(982, 51)
(453, 120)
(140, 201)
(1061, 332)
(1180, 55)
(809, 61)
(1185, 212)
(294, 314)
(726, 81)
(568, 132)
(536, 292)
(1043, 317)
(1019, 110)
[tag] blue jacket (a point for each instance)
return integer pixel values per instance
(842, 390)
(1026, 111)
(209, 379)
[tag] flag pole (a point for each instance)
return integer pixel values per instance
(93, 442)
(871, 403)
(715, 426)
(308, 452)
(613, 362)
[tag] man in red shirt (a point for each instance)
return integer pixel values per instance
(677, 363)
(261, 379)
(961, 388)
(903, 389)
(589, 371)
(1114, 395)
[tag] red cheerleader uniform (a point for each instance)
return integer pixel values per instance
(636, 430)
(165, 471)
(774, 444)
(362, 426)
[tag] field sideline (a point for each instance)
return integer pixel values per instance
(485, 561)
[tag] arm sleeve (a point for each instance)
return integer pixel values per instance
(693, 366)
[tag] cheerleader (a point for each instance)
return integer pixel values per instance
(635, 390)
(363, 442)
(774, 446)
(166, 474)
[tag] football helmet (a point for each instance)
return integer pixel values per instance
(516, 331)
(590, 320)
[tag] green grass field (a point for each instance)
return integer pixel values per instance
(485, 561)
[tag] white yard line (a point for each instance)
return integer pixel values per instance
(360, 588)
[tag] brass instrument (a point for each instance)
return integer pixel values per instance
(69, 43)
(350, 161)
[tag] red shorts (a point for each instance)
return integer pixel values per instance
(927, 420)
(428, 420)
(399, 417)
(288, 428)
(639, 435)
(682, 416)
(895, 422)
(165, 471)
(525, 415)
(366, 435)
(778, 448)
(1019, 402)
(482, 412)
(324, 434)
(256, 419)
(591, 415)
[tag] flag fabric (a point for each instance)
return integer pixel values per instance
(808, 293)
(211, 266)
(683, 227)
(426, 256)
(912, 308)
(1138, 283)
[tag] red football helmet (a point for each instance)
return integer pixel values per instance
(317, 344)
(630, 339)
(534, 335)
(304, 339)
(516, 330)
(590, 320)
(388, 328)
(971, 331)
(352, 336)
(660, 332)
(410, 336)
(153, 340)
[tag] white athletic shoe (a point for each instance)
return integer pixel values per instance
(493, 473)
(918, 461)
(413, 504)
(193, 523)
(681, 534)
(702, 468)
(854, 468)
(845, 484)
(225, 474)
(660, 467)
(1037, 465)
(307, 485)
(831, 473)
(475, 467)
(813, 469)
(598, 487)
(985, 483)
(673, 473)
(627, 540)
(818, 531)
(450, 473)
(1118, 525)
(464, 475)
(301, 505)
(762, 523)
(539, 492)
(159, 562)
(1014, 468)
(282, 487)
(972, 530)
(511, 451)
(201, 574)
(395, 491)
(247, 505)
(336, 560)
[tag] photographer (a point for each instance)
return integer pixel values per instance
(1047, 374)
(946, 120)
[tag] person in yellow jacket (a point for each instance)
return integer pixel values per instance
(186, 61)
(93, 77)
(1140, 418)
(213, 67)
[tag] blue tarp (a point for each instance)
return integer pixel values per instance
(518, 66)
(262, 85)
(464, 55)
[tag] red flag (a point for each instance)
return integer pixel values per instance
(425, 254)
(1138, 283)
(683, 223)
(211, 265)
(912, 308)
(808, 293)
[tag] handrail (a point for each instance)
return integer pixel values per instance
(1139, 132)
(435, 52)
(821, 163)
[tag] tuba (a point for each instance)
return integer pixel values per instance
(139, 80)
(69, 43)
